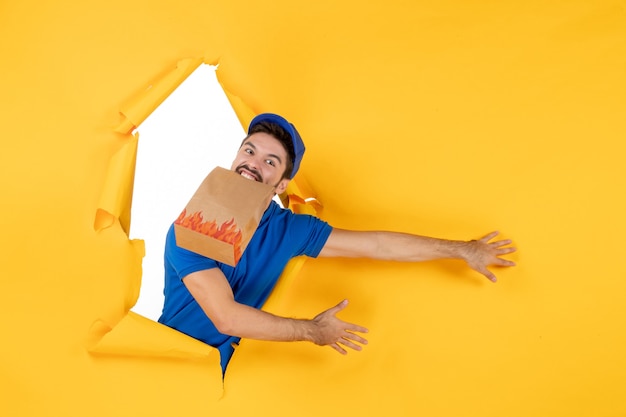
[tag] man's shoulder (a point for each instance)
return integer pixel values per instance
(275, 212)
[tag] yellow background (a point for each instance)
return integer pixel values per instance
(447, 118)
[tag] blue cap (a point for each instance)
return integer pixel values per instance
(298, 144)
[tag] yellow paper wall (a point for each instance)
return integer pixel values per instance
(442, 118)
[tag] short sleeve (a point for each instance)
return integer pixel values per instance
(311, 234)
(183, 261)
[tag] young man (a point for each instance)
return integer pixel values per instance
(220, 304)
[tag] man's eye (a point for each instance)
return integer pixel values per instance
(248, 151)
(270, 162)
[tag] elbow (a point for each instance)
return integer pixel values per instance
(225, 326)
(224, 323)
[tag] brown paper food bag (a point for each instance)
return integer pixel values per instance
(223, 214)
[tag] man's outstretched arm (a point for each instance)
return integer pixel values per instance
(479, 254)
(214, 295)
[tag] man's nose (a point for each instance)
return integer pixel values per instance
(254, 162)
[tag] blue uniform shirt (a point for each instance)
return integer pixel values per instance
(281, 235)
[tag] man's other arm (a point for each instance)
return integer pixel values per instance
(403, 247)
(213, 293)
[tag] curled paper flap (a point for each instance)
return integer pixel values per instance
(300, 198)
(136, 335)
(139, 107)
(300, 205)
(134, 281)
(117, 191)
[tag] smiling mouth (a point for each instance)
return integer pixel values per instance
(249, 174)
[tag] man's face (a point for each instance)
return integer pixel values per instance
(262, 158)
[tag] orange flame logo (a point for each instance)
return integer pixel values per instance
(227, 232)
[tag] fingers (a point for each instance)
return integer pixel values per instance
(498, 262)
(504, 251)
(350, 344)
(497, 243)
(350, 340)
(500, 243)
(336, 309)
(504, 262)
(490, 276)
(489, 236)
(347, 336)
(338, 348)
(487, 273)
(350, 328)
(499, 251)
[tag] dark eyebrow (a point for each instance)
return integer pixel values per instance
(247, 142)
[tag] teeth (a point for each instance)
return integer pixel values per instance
(248, 176)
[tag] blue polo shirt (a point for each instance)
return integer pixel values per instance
(281, 235)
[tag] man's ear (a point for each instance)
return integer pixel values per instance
(282, 186)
